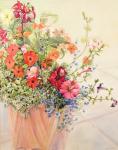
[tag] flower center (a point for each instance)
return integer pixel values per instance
(32, 81)
(30, 58)
(69, 89)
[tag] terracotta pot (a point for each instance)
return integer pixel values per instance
(35, 132)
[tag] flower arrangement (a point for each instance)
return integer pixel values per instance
(32, 70)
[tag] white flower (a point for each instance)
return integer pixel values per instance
(6, 16)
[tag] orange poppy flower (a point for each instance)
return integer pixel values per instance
(86, 60)
(27, 34)
(13, 49)
(9, 62)
(46, 63)
(30, 58)
(1, 53)
(32, 82)
(18, 71)
(53, 55)
(34, 26)
(71, 48)
(39, 26)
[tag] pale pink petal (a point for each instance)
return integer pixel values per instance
(67, 83)
(75, 92)
(67, 95)
(76, 86)
(63, 86)
(72, 96)
(63, 91)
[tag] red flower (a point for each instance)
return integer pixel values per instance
(18, 71)
(9, 62)
(12, 49)
(57, 77)
(3, 36)
(32, 82)
(61, 72)
(30, 58)
(25, 12)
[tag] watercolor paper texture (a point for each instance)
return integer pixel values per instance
(97, 127)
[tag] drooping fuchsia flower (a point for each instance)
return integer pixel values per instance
(85, 71)
(57, 77)
(3, 36)
(25, 12)
(32, 72)
(70, 89)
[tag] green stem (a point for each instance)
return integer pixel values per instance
(22, 31)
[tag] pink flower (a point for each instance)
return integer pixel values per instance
(32, 72)
(24, 49)
(69, 89)
(25, 12)
(3, 36)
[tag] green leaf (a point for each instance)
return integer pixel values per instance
(63, 53)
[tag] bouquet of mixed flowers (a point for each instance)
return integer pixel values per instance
(33, 71)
